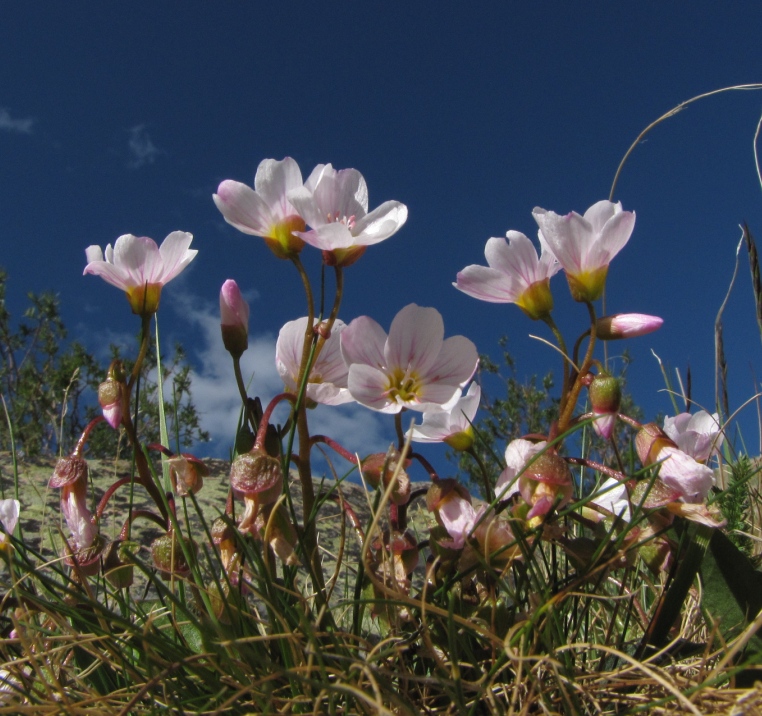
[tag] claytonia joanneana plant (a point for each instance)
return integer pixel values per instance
(515, 275)
(413, 367)
(140, 268)
(586, 245)
(9, 517)
(327, 381)
(453, 426)
(552, 545)
(335, 204)
(266, 210)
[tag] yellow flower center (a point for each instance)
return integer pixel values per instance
(144, 300)
(404, 386)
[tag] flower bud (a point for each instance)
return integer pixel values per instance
(110, 395)
(649, 442)
(234, 319)
(626, 325)
(187, 473)
(118, 563)
(605, 397)
(168, 556)
(542, 483)
(379, 468)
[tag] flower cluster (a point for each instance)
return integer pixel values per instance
(412, 367)
(333, 203)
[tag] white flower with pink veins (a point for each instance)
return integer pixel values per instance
(327, 383)
(698, 435)
(413, 367)
(335, 206)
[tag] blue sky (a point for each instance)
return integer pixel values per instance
(124, 117)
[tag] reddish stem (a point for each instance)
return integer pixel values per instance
(426, 465)
(86, 435)
(259, 441)
(107, 495)
(348, 456)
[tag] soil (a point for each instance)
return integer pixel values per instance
(43, 527)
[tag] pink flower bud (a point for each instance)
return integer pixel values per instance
(234, 318)
(605, 397)
(110, 399)
(380, 468)
(626, 325)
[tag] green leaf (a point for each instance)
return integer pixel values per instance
(732, 588)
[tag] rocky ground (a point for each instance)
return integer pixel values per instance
(42, 525)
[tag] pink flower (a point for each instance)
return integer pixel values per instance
(335, 205)
(459, 519)
(265, 211)
(327, 383)
(515, 275)
(413, 367)
(626, 325)
(70, 475)
(612, 496)
(141, 268)
(681, 472)
(697, 435)
(518, 453)
(451, 426)
(234, 318)
(9, 517)
(585, 245)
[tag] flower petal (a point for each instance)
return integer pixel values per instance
(243, 208)
(415, 339)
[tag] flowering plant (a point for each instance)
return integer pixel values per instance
(511, 559)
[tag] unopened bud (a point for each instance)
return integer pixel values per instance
(168, 556)
(605, 397)
(380, 468)
(234, 319)
(626, 325)
(649, 442)
(110, 395)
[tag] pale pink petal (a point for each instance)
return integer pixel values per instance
(380, 224)
(370, 386)
(487, 284)
(243, 208)
(9, 514)
(274, 180)
(415, 339)
(681, 472)
(363, 341)
(138, 257)
(455, 364)
(175, 255)
(601, 212)
(288, 351)
(517, 454)
(328, 237)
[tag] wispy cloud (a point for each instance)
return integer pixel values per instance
(216, 396)
(15, 125)
(141, 147)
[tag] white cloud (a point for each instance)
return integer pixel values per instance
(218, 401)
(142, 149)
(19, 126)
